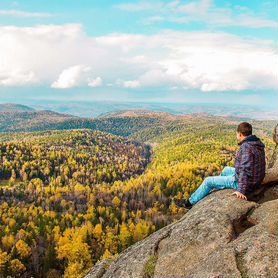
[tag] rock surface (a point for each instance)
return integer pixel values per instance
(272, 171)
(221, 236)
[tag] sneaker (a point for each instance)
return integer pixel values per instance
(183, 203)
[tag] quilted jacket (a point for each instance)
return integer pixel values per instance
(250, 164)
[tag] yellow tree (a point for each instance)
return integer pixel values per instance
(23, 249)
(116, 201)
(98, 231)
(17, 267)
(4, 258)
(72, 248)
(125, 236)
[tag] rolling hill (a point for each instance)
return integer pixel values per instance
(32, 120)
(141, 124)
(12, 107)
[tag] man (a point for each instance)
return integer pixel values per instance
(246, 176)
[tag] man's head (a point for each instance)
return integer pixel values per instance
(243, 130)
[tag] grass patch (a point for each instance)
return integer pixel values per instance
(4, 183)
(150, 266)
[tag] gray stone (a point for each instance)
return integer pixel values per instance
(221, 236)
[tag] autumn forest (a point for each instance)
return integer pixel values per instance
(71, 198)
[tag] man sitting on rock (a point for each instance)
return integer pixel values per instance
(245, 177)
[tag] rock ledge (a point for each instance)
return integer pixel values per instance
(221, 236)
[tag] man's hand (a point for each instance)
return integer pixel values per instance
(239, 195)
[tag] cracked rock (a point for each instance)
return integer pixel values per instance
(221, 236)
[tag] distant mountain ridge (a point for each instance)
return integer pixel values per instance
(96, 108)
(151, 114)
(121, 123)
(140, 123)
(136, 113)
(13, 107)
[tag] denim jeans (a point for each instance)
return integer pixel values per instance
(226, 179)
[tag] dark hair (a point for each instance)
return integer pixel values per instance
(245, 128)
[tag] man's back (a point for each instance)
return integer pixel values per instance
(250, 164)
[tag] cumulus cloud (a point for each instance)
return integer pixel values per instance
(71, 77)
(17, 78)
(46, 53)
(77, 76)
(97, 82)
(131, 84)
(64, 56)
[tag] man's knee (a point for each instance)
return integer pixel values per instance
(227, 170)
(224, 170)
(209, 182)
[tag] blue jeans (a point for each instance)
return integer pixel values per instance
(226, 179)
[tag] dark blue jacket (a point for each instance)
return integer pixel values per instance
(250, 164)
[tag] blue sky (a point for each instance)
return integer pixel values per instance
(104, 17)
(183, 51)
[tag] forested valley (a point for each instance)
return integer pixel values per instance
(71, 198)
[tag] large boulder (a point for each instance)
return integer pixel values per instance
(221, 236)
(272, 171)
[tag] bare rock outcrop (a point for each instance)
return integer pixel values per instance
(272, 171)
(221, 236)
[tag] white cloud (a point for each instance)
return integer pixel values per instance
(131, 84)
(196, 7)
(17, 78)
(18, 13)
(64, 56)
(198, 11)
(97, 82)
(76, 76)
(140, 6)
